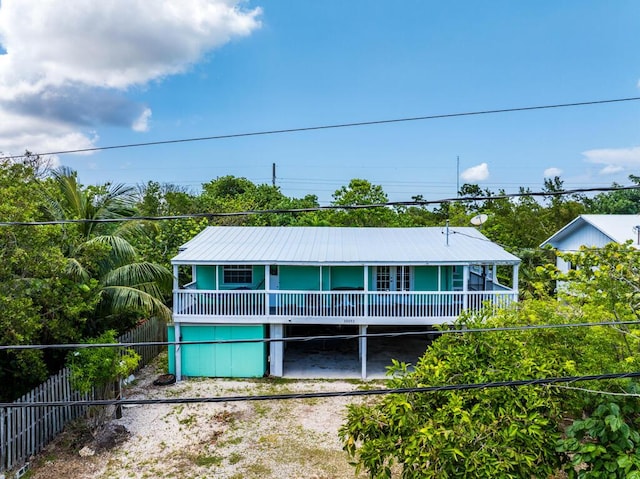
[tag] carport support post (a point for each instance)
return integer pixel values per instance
(276, 349)
(178, 352)
(362, 349)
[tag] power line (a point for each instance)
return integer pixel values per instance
(328, 394)
(322, 208)
(527, 327)
(333, 126)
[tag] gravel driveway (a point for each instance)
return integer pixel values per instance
(263, 439)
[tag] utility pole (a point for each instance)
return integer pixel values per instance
(273, 174)
(457, 175)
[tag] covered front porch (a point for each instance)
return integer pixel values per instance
(313, 307)
(362, 294)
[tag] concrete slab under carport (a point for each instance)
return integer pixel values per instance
(338, 358)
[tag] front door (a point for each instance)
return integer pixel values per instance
(393, 278)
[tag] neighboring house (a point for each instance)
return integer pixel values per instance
(594, 231)
(262, 282)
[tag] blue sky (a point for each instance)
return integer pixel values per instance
(126, 74)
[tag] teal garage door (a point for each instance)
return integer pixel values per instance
(237, 360)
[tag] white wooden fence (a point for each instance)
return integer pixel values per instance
(25, 431)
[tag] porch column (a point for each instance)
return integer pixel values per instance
(465, 287)
(267, 289)
(514, 287)
(366, 290)
(178, 351)
(176, 285)
(276, 351)
(362, 350)
(175, 277)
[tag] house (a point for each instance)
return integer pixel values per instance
(257, 283)
(594, 231)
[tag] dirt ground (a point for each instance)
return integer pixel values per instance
(263, 439)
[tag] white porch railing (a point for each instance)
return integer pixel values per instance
(328, 304)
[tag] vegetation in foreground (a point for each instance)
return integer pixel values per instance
(515, 432)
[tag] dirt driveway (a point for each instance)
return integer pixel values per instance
(265, 439)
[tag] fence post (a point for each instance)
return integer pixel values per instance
(3, 439)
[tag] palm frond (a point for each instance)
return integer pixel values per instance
(76, 271)
(116, 202)
(122, 252)
(139, 274)
(123, 299)
(75, 201)
(137, 230)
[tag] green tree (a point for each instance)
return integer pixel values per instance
(622, 202)
(562, 208)
(361, 192)
(98, 252)
(40, 304)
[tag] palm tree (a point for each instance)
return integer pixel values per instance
(101, 252)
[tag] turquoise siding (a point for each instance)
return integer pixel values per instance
(206, 277)
(299, 278)
(425, 278)
(347, 277)
(238, 360)
(307, 278)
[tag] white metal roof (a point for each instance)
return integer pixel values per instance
(619, 228)
(335, 246)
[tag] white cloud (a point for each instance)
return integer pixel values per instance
(68, 65)
(476, 173)
(142, 122)
(614, 160)
(552, 172)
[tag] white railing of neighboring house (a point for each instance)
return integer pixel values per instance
(336, 303)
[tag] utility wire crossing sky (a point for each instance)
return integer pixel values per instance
(81, 75)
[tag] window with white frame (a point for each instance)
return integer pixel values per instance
(237, 274)
(393, 278)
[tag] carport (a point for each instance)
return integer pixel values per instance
(332, 358)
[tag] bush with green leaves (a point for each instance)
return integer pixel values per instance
(507, 432)
(95, 367)
(605, 445)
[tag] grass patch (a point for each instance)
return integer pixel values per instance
(188, 421)
(256, 470)
(261, 409)
(204, 460)
(231, 441)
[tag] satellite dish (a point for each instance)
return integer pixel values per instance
(478, 220)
